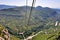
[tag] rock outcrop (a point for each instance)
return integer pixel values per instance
(4, 34)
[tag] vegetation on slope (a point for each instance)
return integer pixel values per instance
(3, 35)
(50, 34)
(14, 20)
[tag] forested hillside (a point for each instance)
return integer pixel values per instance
(15, 20)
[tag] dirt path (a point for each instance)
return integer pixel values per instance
(30, 37)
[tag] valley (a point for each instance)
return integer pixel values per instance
(41, 25)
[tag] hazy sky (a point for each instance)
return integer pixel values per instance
(44, 3)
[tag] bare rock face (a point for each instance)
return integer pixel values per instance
(6, 34)
(2, 38)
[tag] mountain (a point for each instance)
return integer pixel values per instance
(39, 7)
(15, 19)
(6, 6)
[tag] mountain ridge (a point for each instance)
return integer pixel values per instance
(6, 6)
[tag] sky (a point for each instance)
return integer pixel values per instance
(43, 3)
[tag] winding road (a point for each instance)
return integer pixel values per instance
(30, 37)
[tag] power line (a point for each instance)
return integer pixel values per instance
(29, 14)
(31, 10)
(26, 11)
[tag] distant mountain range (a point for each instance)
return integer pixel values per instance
(38, 7)
(41, 11)
(6, 6)
(14, 17)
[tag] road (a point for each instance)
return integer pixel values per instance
(30, 37)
